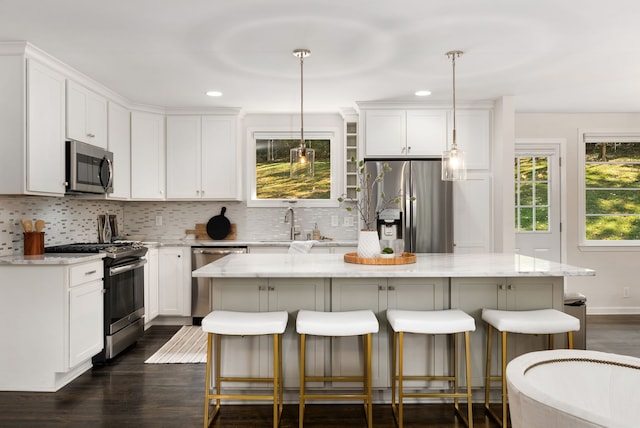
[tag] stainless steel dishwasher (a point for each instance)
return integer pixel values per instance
(200, 289)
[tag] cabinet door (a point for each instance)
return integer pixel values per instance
(86, 323)
(86, 115)
(147, 156)
(385, 133)
(220, 179)
(184, 157)
(151, 285)
(346, 356)
(291, 295)
(174, 284)
(472, 214)
(120, 144)
(426, 132)
(473, 133)
(45, 130)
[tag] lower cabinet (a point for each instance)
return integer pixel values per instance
(174, 281)
(254, 353)
(57, 316)
(473, 294)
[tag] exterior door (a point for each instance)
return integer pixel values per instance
(538, 200)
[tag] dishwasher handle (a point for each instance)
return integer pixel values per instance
(219, 251)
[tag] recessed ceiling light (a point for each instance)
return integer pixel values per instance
(423, 93)
(214, 93)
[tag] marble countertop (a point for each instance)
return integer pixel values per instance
(240, 243)
(49, 259)
(427, 265)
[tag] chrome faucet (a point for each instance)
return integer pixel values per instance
(291, 216)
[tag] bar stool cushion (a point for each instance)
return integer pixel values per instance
(542, 321)
(348, 323)
(245, 323)
(447, 321)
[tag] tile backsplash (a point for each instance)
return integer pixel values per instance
(71, 219)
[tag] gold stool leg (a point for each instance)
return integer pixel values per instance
(456, 400)
(551, 345)
(207, 382)
(570, 339)
(218, 364)
(302, 380)
(367, 380)
(280, 377)
(467, 348)
(487, 373)
(394, 374)
(401, 379)
(503, 378)
(276, 379)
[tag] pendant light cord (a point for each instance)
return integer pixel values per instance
(453, 55)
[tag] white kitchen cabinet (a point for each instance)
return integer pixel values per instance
(202, 157)
(147, 156)
(472, 220)
(401, 132)
(119, 142)
(382, 294)
(174, 281)
(86, 115)
(252, 355)
(32, 111)
(473, 135)
(151, 308)
(473, 294)
(61, 330)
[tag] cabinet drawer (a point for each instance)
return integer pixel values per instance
(86, 272)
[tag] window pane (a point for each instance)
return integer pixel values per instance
(273, 178)
(526, 194)
(526, 219)
(526, 168)
(612, 152)
(619, 201)
(613, 228)
(542, 219)
(542, 194)
(542, 169)
(612, 175)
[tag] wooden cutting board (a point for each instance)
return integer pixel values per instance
(201, 232)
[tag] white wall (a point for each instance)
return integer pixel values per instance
(614, 269)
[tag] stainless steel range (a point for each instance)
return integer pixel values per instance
(124, 292)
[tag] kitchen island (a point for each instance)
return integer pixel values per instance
(470, 282)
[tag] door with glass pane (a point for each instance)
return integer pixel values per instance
(537, 202)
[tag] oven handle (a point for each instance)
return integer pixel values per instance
(121, 269)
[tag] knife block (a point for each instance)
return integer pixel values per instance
(33, 243)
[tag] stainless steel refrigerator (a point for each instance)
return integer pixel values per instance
(424, 217)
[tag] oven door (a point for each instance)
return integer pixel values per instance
(124, 286)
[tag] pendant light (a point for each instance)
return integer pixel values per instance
(453, 165)
(301, 158)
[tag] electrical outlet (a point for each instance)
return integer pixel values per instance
(626, 292)
(347, 221)
(334, 220)
(158, 220)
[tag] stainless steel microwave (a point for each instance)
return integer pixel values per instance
(89, 169)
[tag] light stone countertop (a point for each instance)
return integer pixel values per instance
(240, 243)
(49, 259)
(427, 265)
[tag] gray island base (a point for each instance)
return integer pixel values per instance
(324, 282)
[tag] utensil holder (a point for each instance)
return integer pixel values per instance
(33, 243)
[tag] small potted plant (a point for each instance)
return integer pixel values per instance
(387, 253)
(368, 240)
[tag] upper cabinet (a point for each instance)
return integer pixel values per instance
(86, 115)
(147, 156)
(119, 142)
(203, 157)
(32, 111)
(473, 129)
(398, 132)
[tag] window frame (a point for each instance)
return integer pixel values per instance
(596, 135)
(335, 138)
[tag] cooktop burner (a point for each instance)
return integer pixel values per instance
(112, 249)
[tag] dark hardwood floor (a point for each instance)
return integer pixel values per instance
(129, 393)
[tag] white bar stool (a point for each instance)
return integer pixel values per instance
(333, 324)
(541, 321)
(229, 323)
(450, 322)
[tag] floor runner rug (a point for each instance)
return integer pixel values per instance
(188, 345)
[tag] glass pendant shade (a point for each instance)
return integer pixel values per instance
(302, 162)
(453, 165)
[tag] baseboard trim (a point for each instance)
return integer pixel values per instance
(613, 310)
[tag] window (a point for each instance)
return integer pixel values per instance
(275, 181)
(532, 193)
(611, 179)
